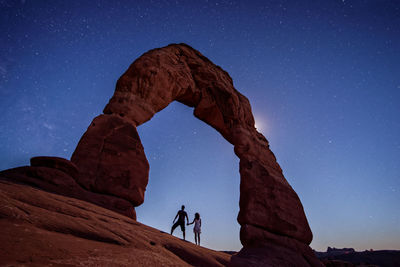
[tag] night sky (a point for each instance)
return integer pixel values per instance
(323, 79)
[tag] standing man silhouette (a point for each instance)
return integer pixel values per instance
(181, 221)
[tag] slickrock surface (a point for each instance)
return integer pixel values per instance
(42, 229)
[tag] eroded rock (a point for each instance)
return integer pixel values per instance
(47, 175)
(61, 164)
(180, 73)
(111, 159)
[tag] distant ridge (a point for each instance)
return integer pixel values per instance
(381, 258)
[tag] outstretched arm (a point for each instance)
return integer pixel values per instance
(190, 223)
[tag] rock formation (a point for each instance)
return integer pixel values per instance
(58, 175)
(111, 161)
(39, 228)
(109, 169)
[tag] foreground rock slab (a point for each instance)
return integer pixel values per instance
(39, 228)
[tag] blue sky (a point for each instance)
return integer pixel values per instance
(323, 79)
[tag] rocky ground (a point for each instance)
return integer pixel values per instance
(39, 228)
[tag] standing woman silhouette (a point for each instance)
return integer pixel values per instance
(196, 228)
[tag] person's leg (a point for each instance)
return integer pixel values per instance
(198, 238)
(174, 226)
(183, 229)
(195, 237)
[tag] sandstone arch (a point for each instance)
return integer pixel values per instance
(112, 161)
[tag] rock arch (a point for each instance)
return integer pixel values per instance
(111, 158)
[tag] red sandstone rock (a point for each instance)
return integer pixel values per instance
(263, 248)
(61, 164)
(56, 181)
(38, 228)
(180, 73)
(111, 159)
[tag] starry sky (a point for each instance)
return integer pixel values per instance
(323, 79)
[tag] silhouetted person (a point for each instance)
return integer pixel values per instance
(181, 221)
(196, 228)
